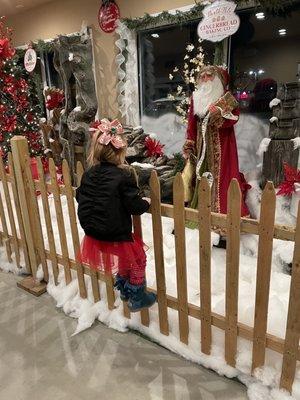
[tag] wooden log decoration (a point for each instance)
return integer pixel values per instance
(179, 231)
(18, 211)
(60, 221)
(11, 218)
(232, 270)
(159, 253)
(74, 228)
(48, 221)
(292, 336)
(204, 209)
(264, 264)
(137, 228)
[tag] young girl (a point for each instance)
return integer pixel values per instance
(107, 198)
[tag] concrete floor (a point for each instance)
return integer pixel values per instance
(39, 360)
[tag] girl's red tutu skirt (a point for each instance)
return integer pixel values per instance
(112, 257)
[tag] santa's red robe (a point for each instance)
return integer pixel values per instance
(222, 149)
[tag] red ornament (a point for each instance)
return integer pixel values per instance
(108, 15)
(153, 147)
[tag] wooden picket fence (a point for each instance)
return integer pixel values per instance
(22, 232)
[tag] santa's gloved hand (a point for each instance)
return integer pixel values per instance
(189, 148)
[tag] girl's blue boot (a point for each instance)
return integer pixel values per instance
(120, 285)
(139, 298)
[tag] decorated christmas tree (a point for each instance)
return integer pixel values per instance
(20, 109)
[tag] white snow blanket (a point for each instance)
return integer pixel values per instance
(266, 382)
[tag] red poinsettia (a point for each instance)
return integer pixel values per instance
(292, 176)
(55, 99)
(6, 51)
(10, 123)
(154, 148)
(23, 85)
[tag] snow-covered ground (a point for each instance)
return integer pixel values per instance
(265, 385)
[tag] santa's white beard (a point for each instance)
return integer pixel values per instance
(206, 94)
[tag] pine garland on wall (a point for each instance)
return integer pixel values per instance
(180, 17)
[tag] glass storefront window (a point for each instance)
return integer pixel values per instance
(264, 53)
(160, 51)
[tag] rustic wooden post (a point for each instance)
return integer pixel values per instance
(204, 218)
(159, 253)
(232, 270)
(263, 276)
(292, 335)
(19, 146)
(180, 250)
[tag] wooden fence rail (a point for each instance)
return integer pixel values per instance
(21, 231)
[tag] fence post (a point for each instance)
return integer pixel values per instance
(19, 147)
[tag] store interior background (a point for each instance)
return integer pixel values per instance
(276, 56)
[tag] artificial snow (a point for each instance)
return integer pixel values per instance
(141, 165)
(266, 381)
(263, 147)
(274, 102)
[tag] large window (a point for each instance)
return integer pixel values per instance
(161, 50)
(264, 53)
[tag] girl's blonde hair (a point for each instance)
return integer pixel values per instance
(106, 153)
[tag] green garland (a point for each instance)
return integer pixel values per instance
(181, 17)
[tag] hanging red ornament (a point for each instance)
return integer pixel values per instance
(108, 15)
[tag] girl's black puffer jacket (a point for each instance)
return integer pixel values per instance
(107, 198)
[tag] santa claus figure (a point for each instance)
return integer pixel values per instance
(211, 145)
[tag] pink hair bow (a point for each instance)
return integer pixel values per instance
(110, 130)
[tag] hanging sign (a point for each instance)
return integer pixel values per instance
(219, 21)
(30, 60)
(108, 16)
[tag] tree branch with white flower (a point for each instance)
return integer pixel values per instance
(193, 61)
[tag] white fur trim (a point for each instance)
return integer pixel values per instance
(296, 142)
(274, 119)
(274, 102)
(263, 147)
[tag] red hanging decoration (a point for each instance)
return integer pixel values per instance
(108, 15)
